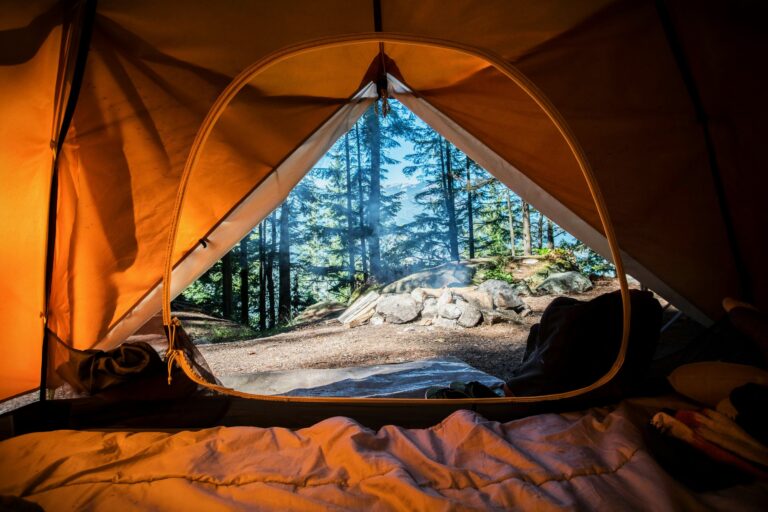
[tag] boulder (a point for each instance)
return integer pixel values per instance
(444, 322)
(398, 308)
(501, 315)
(564, 282)
(449, 311)
(504, 297)
(429, 308)
(470, 315)
(522, 289)
(449, 274)
(446, 297)
(419, 294)
(479, 299)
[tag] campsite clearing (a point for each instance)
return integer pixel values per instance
(495, 349)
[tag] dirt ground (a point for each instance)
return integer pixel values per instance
(495, 349)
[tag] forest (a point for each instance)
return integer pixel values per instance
(391, 197)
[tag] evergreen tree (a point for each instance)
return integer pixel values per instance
(226, 285)
(244, 282)
(526, 229)
(262, 280)
(284, 265)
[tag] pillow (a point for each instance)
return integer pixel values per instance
(710, 382)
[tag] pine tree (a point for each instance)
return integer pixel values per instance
(226, 285)
(244, 282)
(526, 229)
(550, 235)
(350, 240)
(362, 232)
(449, 192)
(271, 270)
(374, 198)
(470, 212)
(540, 238)
(284, 265)
(262, 280)
(511, 217)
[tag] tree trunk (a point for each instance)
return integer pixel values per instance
(270, 270)
(350, 220)
(295, 291)
(245, 317)
(453, 232)
(374, 199)
(540, 238)
(550, 235)
(226, 286)
(262, 280)
(360, 206)
(284, 265)
(511, 217)
(526, 229)
(470, 212)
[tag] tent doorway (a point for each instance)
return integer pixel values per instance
(382, 87)
(442, 220)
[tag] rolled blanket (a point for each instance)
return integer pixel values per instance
(92, 371)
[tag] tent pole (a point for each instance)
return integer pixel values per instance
(686, 74)
(85, 30)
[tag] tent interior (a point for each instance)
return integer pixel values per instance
(135, 152)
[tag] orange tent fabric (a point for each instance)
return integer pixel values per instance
(609, 67)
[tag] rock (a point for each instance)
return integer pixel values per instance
(429, 309)
(432, 292)
(425, 321)
(501, 315)
(479, 299)
(444, 322)
(530, 261)
(419, 294)
(449, 311)
(504, 296)
(564, 282)
(521, 288)
(398, 309)
(376, 319)
(445, 298)
(360, 308)
(470, 315)
(449, 274)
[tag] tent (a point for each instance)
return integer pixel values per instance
(106, 105)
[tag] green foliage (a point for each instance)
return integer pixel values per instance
(226, 333)
(561, 259)
(500, 270)
(330, 236)
(587, 261)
